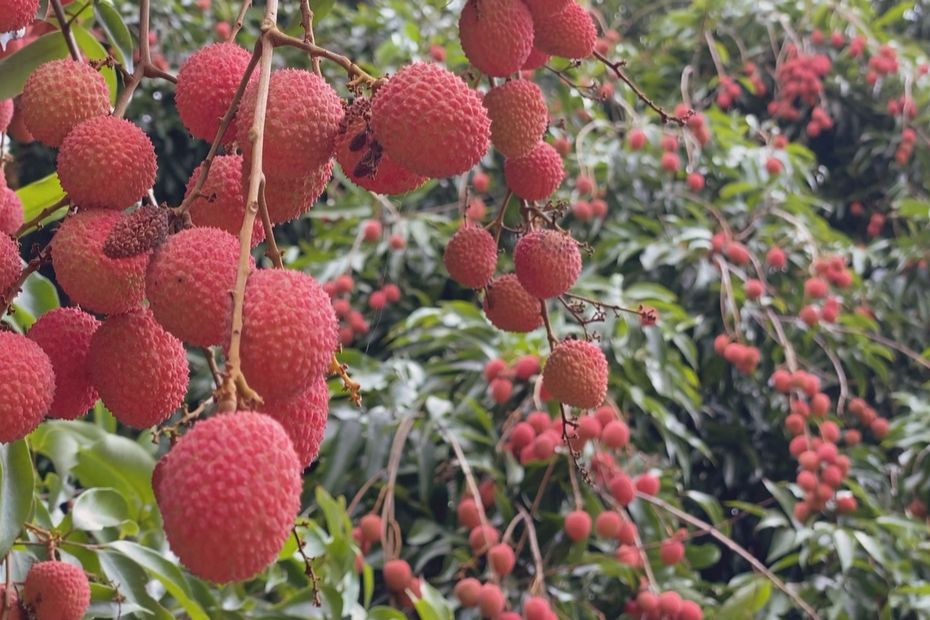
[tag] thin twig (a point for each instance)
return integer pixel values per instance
(145, 59)
(65, 26)
(240, 18)
(306, 20)
(359, 74)
(616, 68)
(7, 296)
(273, 253)
(36, 222)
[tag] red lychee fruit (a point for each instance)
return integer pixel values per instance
(212, 484)
(754, 288)
(467, 591)
(816, 288)
(546, 8)
(648, 484)
(491, 600)
(17, 14)
(289, 197)
(480, 180)
(582, 210)
(482, 538)
(303, 119)
(578, 525)
(10, 606)
(397, 575)
(536, 608)
(670, 162)
(647, 602)
(670, 603)
(437, 52)
(846, 504)
(607, 524)
(576, 374)
(106, 162)
(189, 281)
(430, 121)
(64, 334)
(526, 367)
(536, 175)
(510, 307)
(60, 94)
(810, 315)
(776, 258)
(690, 611)
(138, 369)
(303, 417)
(534, 61)
(547, 262)
(519, 117)
(87, 275)
(220, 202)
(370, 525)
(289, 333)
(56, 591)
(377, 300)
(6, 115)
(570, 33)
(494, 368)
(371, 230)
(671, 551)
(10, 263)
(467, 513)
(615, 434)
(879, 427)
(207, 83)
(627, 534)
(11, 211)
(496, 35)
(27, 386)
(629, 555)
(622, 489)
(501, 559)
(521, 435)
(471, 256)
(737, 253)
(695, 181)
(363, 159)
(773, 166)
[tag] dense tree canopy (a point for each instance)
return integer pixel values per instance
(708, 226)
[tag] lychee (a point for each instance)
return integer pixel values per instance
(510, 307)
(690, 611)
(615, 434)
(467, 513)
(545, 8)
(518, 115)
(430, 121)
(576, 374)
(536, 175)
(137, 232)
(467, 591)
(471, 256)
(370, 525)
(607, 524)
(189, 281)
(11, 211)
(578, 525)
(106, 162)
(496, 35)
(207, 83)
(214, 483)
(27, 386)
(482, 538)
(363, 159)
(288, 197)
(501, 559)
(570, 33)
(535, 60)
(303, 119)
(671, 551)
(65, 334)
(10, 264)
(17, 14)
(60, 94)
(526, 367)
(397, 574)
(10, 607)
(547, 262)
(220, 202)
(6, 114)
(303, 417)
(87, 275)
(491, 600)
(56, 591)
(138, 369)
(289, 332)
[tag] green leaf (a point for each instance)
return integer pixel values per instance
(115, 29)
(337, 522)
(385, 613)
(746, 600)
(120, 463)
(40, 195)
(17, 483)
(432, 605)
(98, 508)
(164, 571)
(37, 297)
(845, 548)
(321, 9)
(93, 50)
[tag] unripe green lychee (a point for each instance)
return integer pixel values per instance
(138, 369)
(60, 94)
(56, 591)
(207, 82)
(518, 115)
(64, 334)
(221, 202)
(547, 262)
(303, 417)
(228, 492)
(536, 175)
(106, 162)
(510, 307)
(189, 281)
(576, 374)
(87, 275)
(27, 386)
(496, 35)
(471, 256)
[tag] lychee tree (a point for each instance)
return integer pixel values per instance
(499, 308)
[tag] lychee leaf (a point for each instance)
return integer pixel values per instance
(321, 9)
(166, 572)
(39, 195)
(115, 29)
(17, 484)
(96, 509)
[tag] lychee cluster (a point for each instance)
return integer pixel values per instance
(800, 83)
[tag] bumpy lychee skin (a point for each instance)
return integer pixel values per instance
(570, 33)
(536, 175)
(576, 374)
(496, 35)
(56, 591)
(290, 196)
(289, 333)
(90, 278)
(429, 121)
(14, 611)
(106, 162)
(11, 211)
(518, 117)
(207, 82)
(60, 94)
(303, 417)
(228, 494)
(510, 307)
(138, 368)
(9, 262)
(188, 284)
(64, 334)
(220, 202)
(545, 8)
(17, 14)
(547, 262)
(6, 114)
(363, 160)
(471, 256)
(27, 386)
(303, 120)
